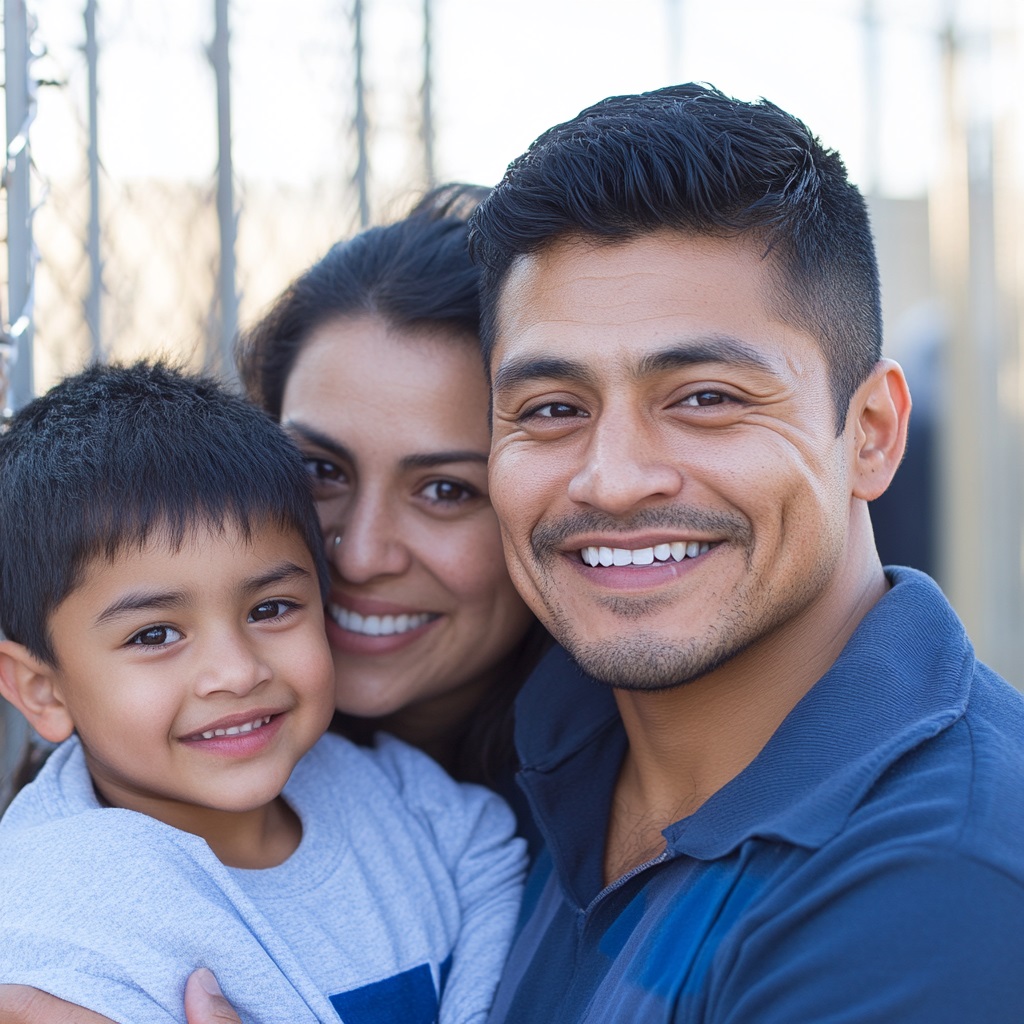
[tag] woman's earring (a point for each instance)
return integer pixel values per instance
(336, 540)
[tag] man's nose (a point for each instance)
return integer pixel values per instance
(626, 463)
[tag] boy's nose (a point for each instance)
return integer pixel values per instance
(233, 666)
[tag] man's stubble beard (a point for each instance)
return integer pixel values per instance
(646, 660)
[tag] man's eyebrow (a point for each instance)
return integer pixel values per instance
(519, 371)
(706, 350)
(312, 436)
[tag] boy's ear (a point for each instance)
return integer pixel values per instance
(30, 685)
(881, 412)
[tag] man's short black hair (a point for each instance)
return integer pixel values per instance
(689, 158)
(115, 454)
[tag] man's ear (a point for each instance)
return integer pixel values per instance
(880, 412)
(31, 686)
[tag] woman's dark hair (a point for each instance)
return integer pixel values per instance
(414, 274)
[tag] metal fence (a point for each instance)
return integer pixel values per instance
(170, 166)
(265, 162)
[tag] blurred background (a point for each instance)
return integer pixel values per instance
(172, 164)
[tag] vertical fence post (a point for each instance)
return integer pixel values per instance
(16, 386)
(227, 217)
(427, 112)
(362, 162)
(92, 244)
(19, 97)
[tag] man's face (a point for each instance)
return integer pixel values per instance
(664, 461)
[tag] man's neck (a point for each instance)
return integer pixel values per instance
(686, 743)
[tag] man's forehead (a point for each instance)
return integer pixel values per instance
(640, 284)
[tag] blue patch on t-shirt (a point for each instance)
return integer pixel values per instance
(406, 998)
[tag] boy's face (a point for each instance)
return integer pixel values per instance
(196, 678)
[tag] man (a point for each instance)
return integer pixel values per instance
(796, 796)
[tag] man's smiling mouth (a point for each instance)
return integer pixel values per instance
(673, 552)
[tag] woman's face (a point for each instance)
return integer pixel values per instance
(394, 428)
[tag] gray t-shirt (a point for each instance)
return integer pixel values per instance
(405, 885)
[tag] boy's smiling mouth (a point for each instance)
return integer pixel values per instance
(234, 729)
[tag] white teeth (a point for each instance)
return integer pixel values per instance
(377, 625)
(235, 730)
(677, 551)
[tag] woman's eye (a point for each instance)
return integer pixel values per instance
(704, 398)
(155, 636)
(270, 610)
(447, 491)
(322, 469)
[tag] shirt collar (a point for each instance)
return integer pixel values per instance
(903, 677)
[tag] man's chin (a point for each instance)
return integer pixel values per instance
(647, 662)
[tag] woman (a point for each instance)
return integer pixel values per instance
(370, 360)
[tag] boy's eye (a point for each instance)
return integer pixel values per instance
(270, 610)
(155, 636)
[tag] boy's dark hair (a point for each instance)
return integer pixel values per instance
(689, 158)
(114, 454)
(413, 274)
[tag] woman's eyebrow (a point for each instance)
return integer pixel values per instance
(299, 431)
(428, 460)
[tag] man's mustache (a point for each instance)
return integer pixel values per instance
(552, 535)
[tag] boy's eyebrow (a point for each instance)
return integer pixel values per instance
(143, 600)
(140, 599)
(278, 574)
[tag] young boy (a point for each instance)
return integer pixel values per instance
(161, 591)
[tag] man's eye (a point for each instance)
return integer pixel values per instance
(270, 610)
(155, 636)
(703, 398)
(557, 410)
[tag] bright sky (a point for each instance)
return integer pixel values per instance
(503, 72)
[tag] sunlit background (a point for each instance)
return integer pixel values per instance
(173, 163)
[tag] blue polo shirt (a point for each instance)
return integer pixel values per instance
(867, 866)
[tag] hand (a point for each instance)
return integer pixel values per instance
(204, 1001)
(20, 1004)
